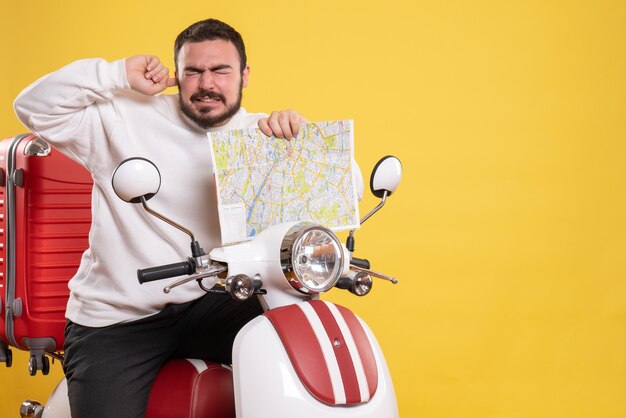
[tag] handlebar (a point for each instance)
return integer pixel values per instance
(163, 272)
(360, 262)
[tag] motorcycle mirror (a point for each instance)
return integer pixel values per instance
(135, 178)
(386, 176)
(384, 181)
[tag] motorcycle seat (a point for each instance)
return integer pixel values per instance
(192, 388)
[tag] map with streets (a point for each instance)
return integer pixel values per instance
(262, 181)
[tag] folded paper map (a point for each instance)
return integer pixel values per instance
(262, 181)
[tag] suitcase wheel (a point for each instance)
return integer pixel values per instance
(8, 357)
(46, 366)
(32, 365)
(40, 362)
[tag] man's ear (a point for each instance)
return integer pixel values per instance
(176, 77)
(244, 76)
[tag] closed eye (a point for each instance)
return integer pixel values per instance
(222, 69)
(192, 72)
(218, 69)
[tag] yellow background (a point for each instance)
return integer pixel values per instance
(508, 231)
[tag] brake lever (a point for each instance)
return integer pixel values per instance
(210, 273)
(375, 274)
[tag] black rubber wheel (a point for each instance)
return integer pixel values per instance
(32, 366)
(46, 365)
(9, 360)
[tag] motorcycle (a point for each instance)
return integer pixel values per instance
(304, 357)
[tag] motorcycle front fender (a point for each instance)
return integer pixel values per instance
(267, 384)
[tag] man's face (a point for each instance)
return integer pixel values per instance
(210, 81)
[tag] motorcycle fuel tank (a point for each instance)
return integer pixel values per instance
(269, 381)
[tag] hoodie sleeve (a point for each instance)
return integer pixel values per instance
(72, 106)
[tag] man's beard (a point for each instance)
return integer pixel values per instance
(203, 118)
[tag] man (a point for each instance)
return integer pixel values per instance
(99, 113)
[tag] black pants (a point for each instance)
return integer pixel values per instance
(110, 370)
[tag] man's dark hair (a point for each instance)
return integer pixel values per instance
(209, 30)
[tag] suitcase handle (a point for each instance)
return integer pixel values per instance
(164, 272)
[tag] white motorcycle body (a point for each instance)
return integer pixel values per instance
(305, 371)
(267, 383)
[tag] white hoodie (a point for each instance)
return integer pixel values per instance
(88, 111)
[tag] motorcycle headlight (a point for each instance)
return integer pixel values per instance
(312, 258)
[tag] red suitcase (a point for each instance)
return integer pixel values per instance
(45, 216)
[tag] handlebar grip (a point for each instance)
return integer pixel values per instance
(163, 272)
(360, 262)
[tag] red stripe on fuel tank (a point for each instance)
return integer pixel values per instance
(364, 347)
(344, 359)
(303, 350)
